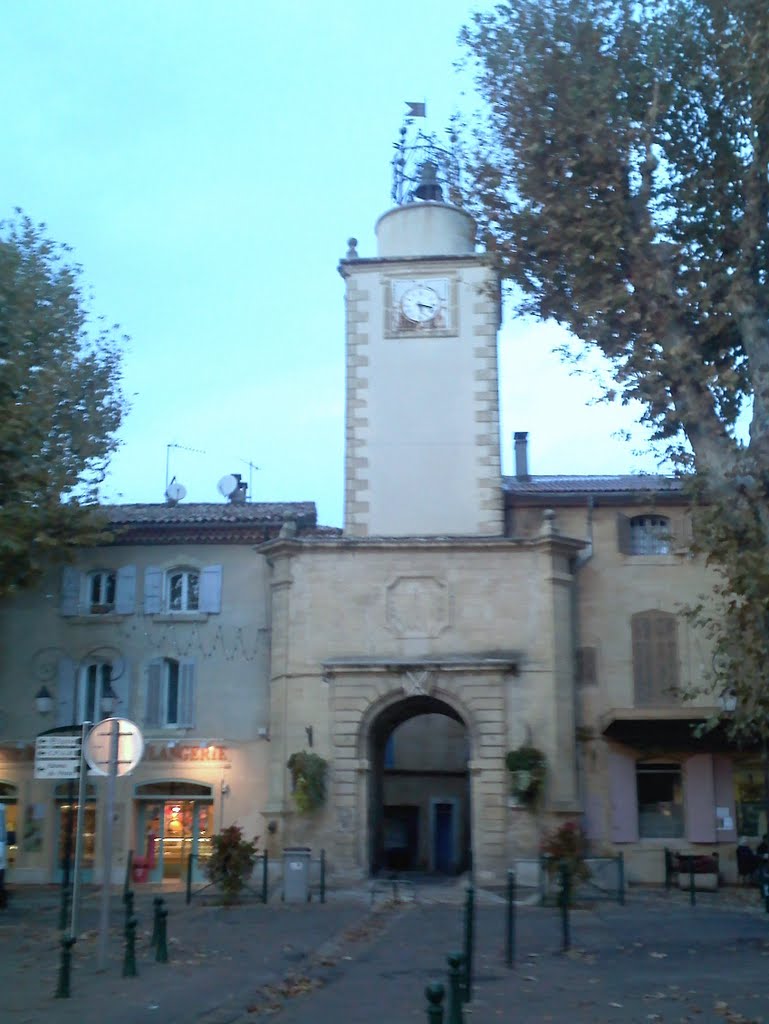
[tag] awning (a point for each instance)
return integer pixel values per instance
(666, 729)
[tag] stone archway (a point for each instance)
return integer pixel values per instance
(419, 793)
(368, 698)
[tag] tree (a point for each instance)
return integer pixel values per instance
(60, 404)
(621, 175)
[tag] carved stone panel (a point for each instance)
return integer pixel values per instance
(417, 606)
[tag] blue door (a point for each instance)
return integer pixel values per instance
(443, 837)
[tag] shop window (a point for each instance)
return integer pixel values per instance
(655, 658)
(9, 819)
(170, 693)
(660, 800)
(751, 801)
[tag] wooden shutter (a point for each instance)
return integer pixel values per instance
(153, 591)
(186, 692)
(623, 534)
(125, 590)
(623, 797)
(69, 603)
(65, 692)
(121, 687)
(211, 589)
(152, 698)
(699, 799)
(655, 658)
(724, 795)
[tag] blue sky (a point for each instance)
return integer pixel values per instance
(207, 162)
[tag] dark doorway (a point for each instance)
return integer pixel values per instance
(420, 789)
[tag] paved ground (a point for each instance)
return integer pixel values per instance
(655, 960)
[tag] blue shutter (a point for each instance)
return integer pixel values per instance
(153, 591)
(186, 692)
(122, 688)
(69, 603)
(65, 692)
(152, 699)
(211, 589)
(700, 799)
(623, 797)
(125, 590)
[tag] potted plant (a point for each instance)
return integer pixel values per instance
(308, 774)
(527, 766)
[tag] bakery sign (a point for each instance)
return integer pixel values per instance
(185, 752)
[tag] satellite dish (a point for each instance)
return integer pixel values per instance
(175, 491)
(228, 485)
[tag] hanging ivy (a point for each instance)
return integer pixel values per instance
(527, 766)
(308, 774)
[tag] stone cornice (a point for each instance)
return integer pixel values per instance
(497, 661)
(295, 545)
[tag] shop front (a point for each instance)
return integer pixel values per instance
(66, 828)
(175, 821)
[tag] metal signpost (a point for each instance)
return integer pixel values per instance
(113, 747)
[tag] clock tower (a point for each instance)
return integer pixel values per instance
(422, 416)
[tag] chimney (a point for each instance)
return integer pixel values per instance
(238, 496)
(521, 455)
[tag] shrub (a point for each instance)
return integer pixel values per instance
(231, 861)
(566, 845)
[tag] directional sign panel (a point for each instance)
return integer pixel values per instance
(57, 757)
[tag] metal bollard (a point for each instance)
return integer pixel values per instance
(565, 899)
(161, 950)
(157, 904)
(322, 876)
(189, 880)
(129, 960)
(264, 876)
(621, 878)
(469, 942)
(692, 893)
(65, 967)
(128, 904)
(764, 881)
(510, 920)
(435, 993)
(455, 988)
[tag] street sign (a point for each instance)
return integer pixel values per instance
(57, 757)
(130, 746)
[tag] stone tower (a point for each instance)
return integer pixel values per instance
(422, 420)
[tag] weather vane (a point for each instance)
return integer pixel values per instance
(423, 169)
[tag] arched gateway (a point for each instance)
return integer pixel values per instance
(419, 778)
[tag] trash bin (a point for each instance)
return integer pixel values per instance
(296, 874)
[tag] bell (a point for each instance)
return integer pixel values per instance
(428, 188)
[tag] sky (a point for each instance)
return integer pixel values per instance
(207, 162)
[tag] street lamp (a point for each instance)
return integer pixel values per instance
(43, 701)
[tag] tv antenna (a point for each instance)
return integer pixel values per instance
(184, 448)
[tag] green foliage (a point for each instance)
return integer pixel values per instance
(308, 774)
(566, 844)
(527, 766)
(60, 404)
(620, 175)
(231, 861)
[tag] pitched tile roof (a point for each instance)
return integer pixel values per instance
(629, 483)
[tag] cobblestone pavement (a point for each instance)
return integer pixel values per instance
(657, 959)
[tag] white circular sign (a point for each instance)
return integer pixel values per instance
(130, 746)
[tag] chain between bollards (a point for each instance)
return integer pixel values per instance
(565, 899)
(129, 960)
(435, 993)
(65, 967)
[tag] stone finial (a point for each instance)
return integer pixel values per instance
(549, 528)
(288, 529)
(352, 249)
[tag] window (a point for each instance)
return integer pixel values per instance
(655, 658)
(170, 693)
(183, 593)
(101, 592)
(95, 681)
(660, 801)
(183, 590)
(649, 535)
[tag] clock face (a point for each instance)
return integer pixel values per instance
(421, 303)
